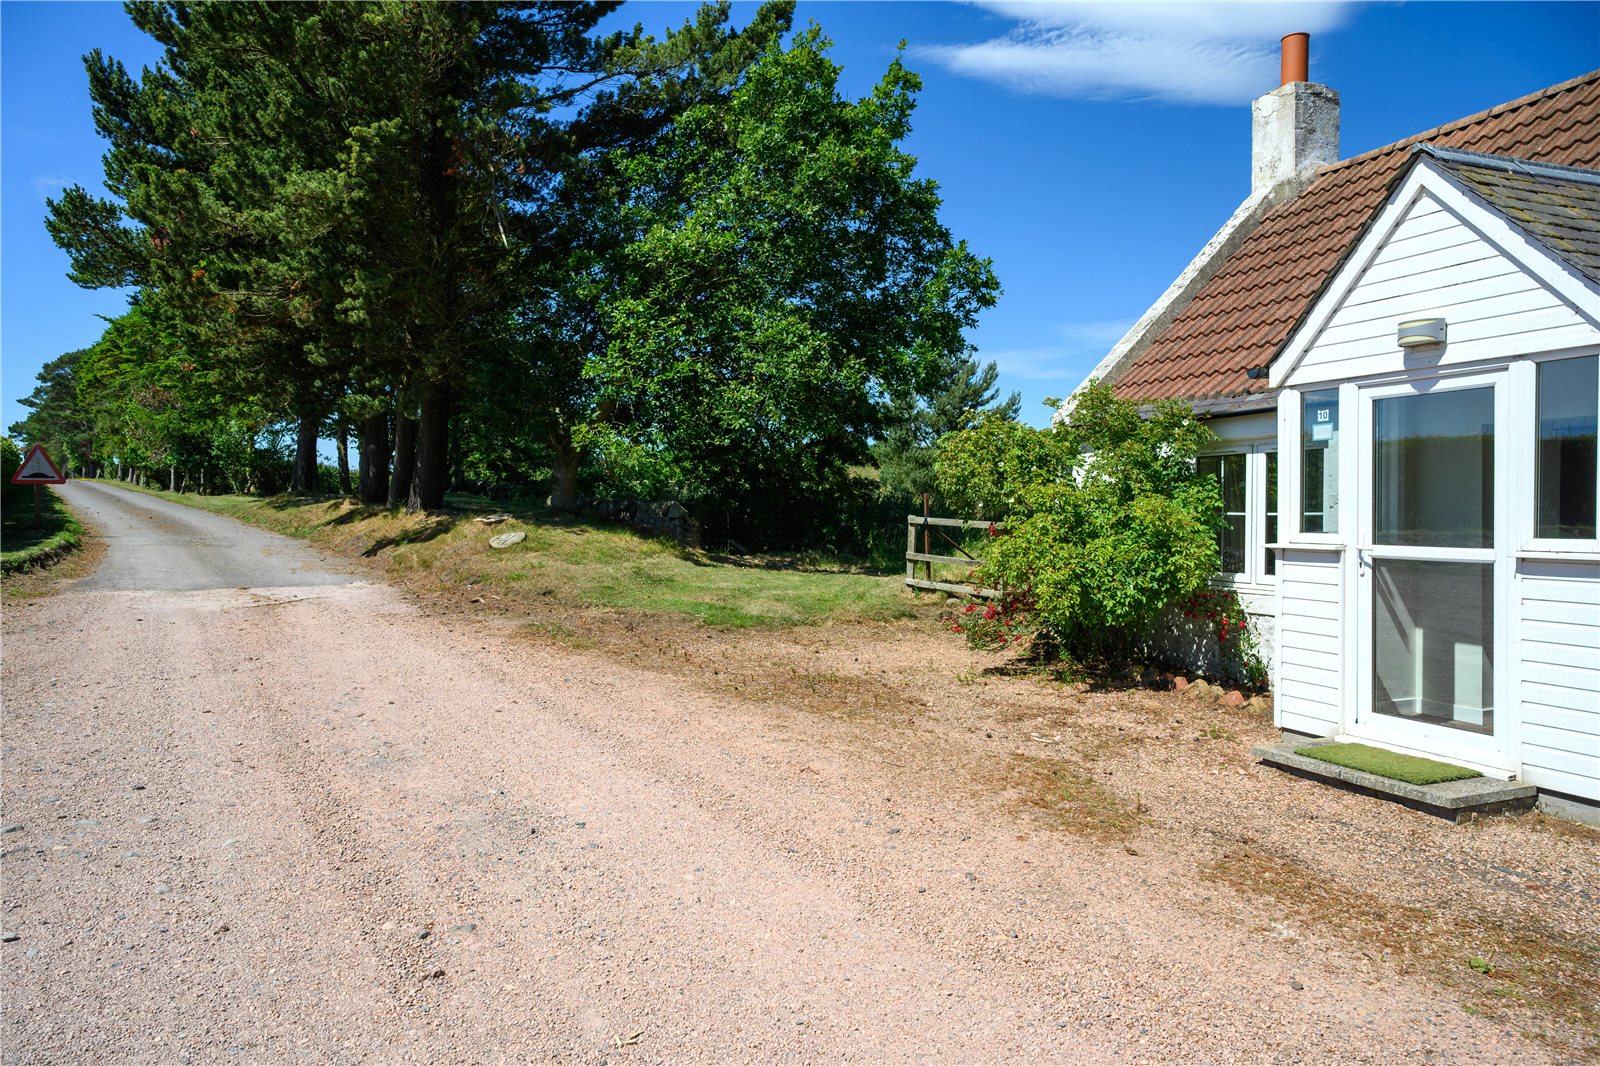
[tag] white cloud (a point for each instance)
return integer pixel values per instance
(1030, 364)
(1262, 19)
(1212, 53)
(1094, 334)
(1079, 346)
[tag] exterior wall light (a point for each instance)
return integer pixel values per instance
(1420, 332)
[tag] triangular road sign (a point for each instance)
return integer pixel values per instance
(37, 469)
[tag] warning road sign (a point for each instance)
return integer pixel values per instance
(37, 469)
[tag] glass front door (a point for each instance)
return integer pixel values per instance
(1433, 478)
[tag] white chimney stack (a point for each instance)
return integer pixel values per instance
(1295, 127)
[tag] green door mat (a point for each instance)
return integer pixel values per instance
(1409, 768)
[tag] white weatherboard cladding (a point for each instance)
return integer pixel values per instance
(1558, 664)
(1436, 266)
(1434, 257)
(1309, 657)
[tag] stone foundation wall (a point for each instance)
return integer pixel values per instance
(1191, 644)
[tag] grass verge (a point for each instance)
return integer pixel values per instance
(26, 546)
(568, 564)
(1411, 769)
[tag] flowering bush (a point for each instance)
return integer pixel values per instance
(988, 626)
(1220, 610)
(1107, 520)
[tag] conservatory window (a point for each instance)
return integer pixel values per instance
(1319, 462)
(1229, 470)
(1271, 513)
(1568, 398)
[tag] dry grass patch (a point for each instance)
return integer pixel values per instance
(1067, 797)
(1544, 980)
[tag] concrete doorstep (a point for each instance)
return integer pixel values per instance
(1459, 801)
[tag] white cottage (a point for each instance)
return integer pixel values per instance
(1403, 348)
(1439, 573)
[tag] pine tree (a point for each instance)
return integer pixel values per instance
(342, 201)
(962, 396)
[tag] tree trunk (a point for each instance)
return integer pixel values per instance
(303, 478)
(373, 459)
(172, 477)
(564, 461)
(405, 458)
(341, 443)
(458, 467)
(433, 450)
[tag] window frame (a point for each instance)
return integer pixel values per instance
(1255, 453)
(1291, 466)
(1525, 418)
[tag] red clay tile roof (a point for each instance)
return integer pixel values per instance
(1244, 314)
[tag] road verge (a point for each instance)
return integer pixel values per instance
(27, 547)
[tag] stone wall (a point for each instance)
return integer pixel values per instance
(665, 518)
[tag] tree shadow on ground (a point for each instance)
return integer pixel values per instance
(789, 563)
(435, 527)
(1099, 674)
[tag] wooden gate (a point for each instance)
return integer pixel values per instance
(934, 526)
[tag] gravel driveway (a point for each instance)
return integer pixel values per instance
(302, 820)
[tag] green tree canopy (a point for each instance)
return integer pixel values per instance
(788, 273)
(55, 417)
(964, 396)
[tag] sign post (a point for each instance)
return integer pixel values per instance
(37, 470)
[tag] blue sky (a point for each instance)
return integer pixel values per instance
(1090, 149)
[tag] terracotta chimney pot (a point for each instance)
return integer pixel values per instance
(1295, 64)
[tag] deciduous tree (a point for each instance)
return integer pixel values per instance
(787, 272)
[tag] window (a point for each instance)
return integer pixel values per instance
(1568, 398)
(1319, 462)
(1433, 468)
(1229, 472)
(1272, 511)
(1248, 480)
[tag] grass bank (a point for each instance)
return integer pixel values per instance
(577, 563)
(25, 545)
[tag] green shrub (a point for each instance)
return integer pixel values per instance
(1106, 519)
(10, 459)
